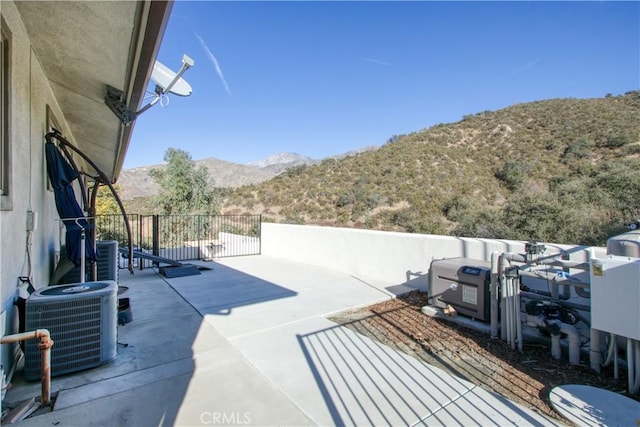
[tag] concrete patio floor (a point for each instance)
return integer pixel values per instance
(248, 343)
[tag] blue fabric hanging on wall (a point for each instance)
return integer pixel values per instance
(62, 175)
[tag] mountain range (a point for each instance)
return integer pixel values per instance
(563, 170)
(136, 182)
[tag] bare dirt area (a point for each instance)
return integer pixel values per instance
(525, 378)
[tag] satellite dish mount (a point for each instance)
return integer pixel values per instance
(166, 82)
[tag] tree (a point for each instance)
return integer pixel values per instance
(513, 173)
(105, 202)
(109, 222)
(185, 188)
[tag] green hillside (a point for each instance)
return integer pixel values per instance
(562, 170)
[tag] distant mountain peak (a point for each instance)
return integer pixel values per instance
(282, 158)
(136, 182)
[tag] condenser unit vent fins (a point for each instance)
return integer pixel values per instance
(82, 321)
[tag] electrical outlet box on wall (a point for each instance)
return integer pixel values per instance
(32, 220)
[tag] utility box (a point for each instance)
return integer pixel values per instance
(615, 295)
(463, 283)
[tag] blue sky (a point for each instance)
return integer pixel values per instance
(324, 78)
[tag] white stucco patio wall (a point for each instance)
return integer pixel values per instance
(387, 257)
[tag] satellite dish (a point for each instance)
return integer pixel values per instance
(166, 82)
(163, 76)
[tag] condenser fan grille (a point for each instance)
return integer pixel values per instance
(77, 327)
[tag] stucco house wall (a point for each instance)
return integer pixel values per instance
(32, 105)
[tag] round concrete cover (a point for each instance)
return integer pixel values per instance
(591, 406)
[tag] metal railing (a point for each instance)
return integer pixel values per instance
(185, 237)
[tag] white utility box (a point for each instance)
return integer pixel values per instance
(615, 295)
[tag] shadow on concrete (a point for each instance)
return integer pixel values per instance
(172, 367)
(222, 289)
(416, 281)
(366, 383)
(146, 383)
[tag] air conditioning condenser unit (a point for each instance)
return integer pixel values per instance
(82, 320)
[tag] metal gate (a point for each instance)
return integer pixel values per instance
(185, 237)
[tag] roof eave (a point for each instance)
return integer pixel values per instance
(153, 19)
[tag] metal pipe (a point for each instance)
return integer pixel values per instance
(92, 215)
(45, 361)
(83, 242)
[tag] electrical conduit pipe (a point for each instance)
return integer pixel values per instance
(45, 365)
